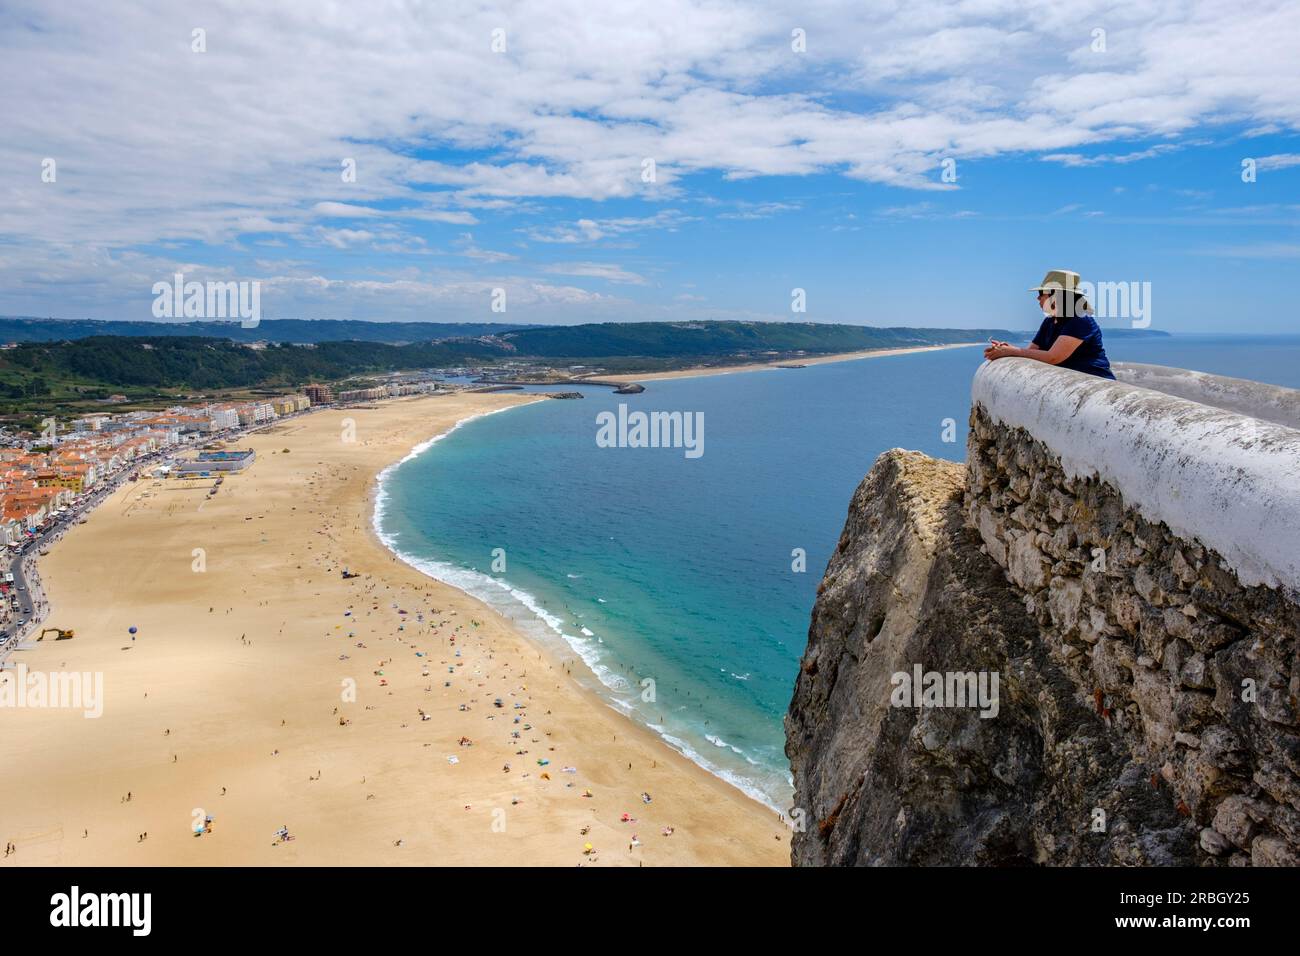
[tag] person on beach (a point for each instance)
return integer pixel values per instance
(1069, 336)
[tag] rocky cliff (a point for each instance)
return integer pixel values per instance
(1129, 661)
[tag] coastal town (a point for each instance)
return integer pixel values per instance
(52, 480)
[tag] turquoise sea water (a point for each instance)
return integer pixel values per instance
(655, 567)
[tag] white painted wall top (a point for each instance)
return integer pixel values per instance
(1270, 403)
(1229, 481)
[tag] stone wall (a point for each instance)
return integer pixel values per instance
(1155, 542)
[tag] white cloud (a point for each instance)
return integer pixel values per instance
(923, 210)
(342, 238)
(343, 210)
(1278, 161)
(470, 250)
(592, 230)
(596, 270)
(760, 210)
(1102, 159)
(159, 145)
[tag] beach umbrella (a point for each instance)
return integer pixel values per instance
(131, 629)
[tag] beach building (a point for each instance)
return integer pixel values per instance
(389, 390)
(165, 429)
(11, 527)
(185, 422)
(31, 506)
(254, 413)
(72, 478)
(17, 522)
(319, 394)
(236, 460)
(78, 476)
(290, 404)
(90, 423)
(362, 395)
(221, 417)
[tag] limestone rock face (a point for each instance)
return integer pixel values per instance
(1046, 780)
(1126, 563)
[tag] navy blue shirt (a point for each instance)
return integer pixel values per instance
(1090, 356)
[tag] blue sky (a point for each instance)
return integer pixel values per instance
(775, 168)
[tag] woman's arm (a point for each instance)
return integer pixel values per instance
(995, 345)
(1061, 350)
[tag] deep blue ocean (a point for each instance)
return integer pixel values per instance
(675, 578)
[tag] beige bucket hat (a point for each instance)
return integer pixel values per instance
(1063, 280)
(1058, 280)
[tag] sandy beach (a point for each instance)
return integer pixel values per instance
(265, 691)
(759, 366)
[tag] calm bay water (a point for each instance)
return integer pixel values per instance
(672, 577)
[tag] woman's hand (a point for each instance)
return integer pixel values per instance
(1061, 350)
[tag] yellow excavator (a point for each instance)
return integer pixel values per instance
(60, 634)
